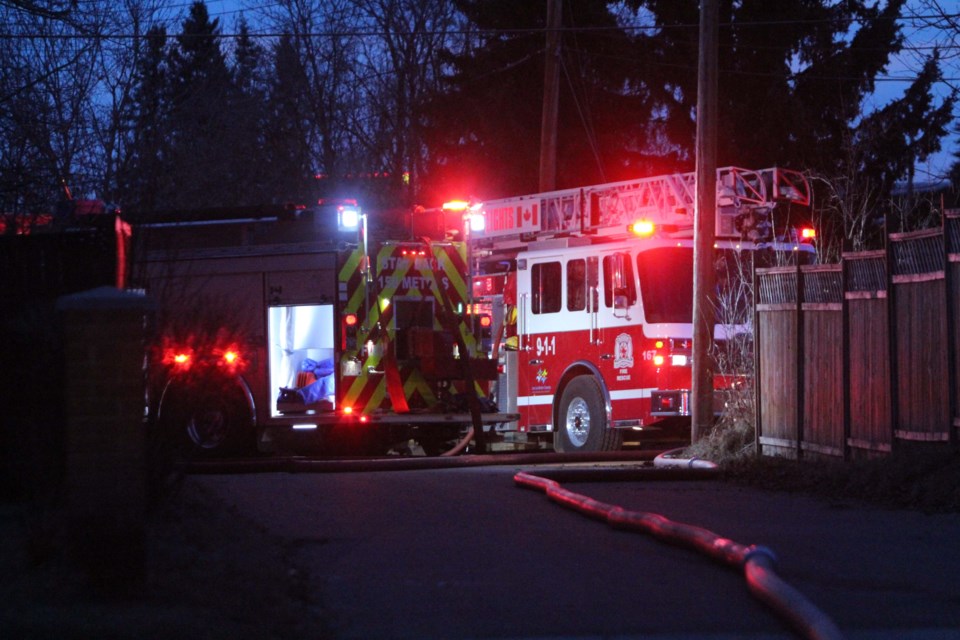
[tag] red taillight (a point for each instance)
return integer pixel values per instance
(349, 332)
(180, 358)
(230, 359)
(177, 359)
(485, 321)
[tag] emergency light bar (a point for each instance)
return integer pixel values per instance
(471, 212)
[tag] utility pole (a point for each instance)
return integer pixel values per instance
(551, 99)
(704, 311)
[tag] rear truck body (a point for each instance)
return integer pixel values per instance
(294, 330)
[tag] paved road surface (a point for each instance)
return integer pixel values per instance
(464, 553)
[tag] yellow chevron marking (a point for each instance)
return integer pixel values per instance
(415, 382)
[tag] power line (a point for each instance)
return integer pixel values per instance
(367, 33)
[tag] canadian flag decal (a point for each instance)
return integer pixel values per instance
(527, 217)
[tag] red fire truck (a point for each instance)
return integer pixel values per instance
(280, 326)
(591, 293)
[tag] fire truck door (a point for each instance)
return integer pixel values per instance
(539, 294)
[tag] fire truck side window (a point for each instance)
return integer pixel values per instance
(546, 281)
(576, 285)
(618, 279)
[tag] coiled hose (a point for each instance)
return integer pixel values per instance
(756, 562)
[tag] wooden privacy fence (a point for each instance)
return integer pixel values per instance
(857, 358)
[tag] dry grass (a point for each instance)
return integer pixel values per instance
(919, 480)
(919, 477)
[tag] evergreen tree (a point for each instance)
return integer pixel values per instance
(148, 154)
(485, 134)
(286, 151)
(201, 117)
(907, 130)
(249, 174)
(792, 79)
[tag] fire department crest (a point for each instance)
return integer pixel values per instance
(623, 351)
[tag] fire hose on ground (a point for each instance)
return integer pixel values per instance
(757, 562)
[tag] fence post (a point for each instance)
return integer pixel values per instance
(845, 358)
(757, 413)
(949, 283)
(892, 343)
(800, 370)
(104, 331)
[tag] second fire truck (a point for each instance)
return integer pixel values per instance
(591, 292)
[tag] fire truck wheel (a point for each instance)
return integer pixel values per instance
(210, 421)
(582, 424)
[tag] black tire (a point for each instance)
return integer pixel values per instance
(582, 420)
(208, 418)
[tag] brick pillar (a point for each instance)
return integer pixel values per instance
(104, 331)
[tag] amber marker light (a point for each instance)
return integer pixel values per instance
(456, 205)
(642, 228)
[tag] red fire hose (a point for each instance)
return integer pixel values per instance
(756, 562)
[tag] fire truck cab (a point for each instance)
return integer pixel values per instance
(592, 290)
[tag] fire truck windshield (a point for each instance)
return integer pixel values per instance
(666, 284)
(666, 281)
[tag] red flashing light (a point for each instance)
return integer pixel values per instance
(485, 321)
(808, 234)
(350, 319)
(347, 411)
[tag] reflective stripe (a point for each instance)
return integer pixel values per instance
(632, 394)
(529, 401)
(628, 394)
